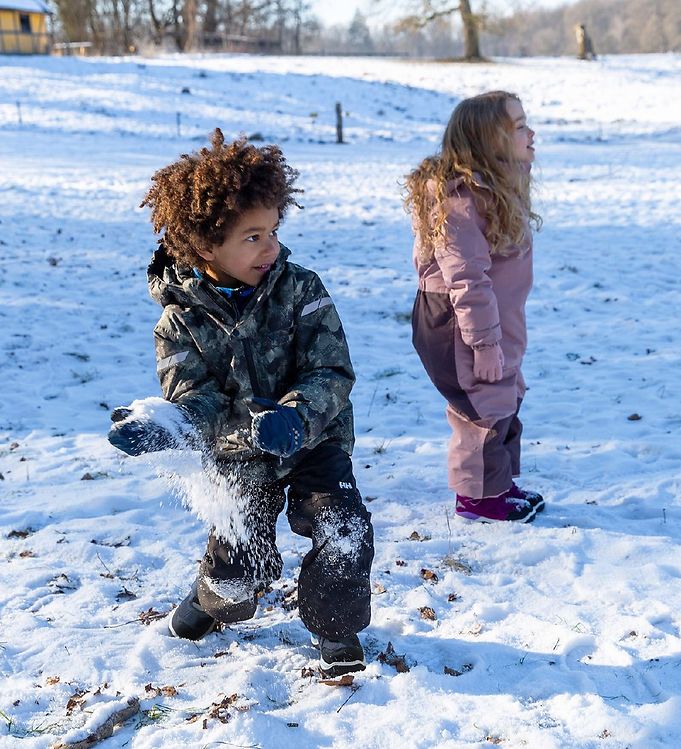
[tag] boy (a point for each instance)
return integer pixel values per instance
(252, 356)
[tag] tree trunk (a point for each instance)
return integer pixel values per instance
(189, 10)
(116, 36)
(97, 34)
(210, 18)
(281, 22)
(585, 50)
(471, 39)
(128, 37)
(297, 23)
(157, 26)
(73, 15)
(177, 27)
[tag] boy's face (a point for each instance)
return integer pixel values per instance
(248, 252)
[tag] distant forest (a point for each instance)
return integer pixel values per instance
(290, 27)
(615, 27)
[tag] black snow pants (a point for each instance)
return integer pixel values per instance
(334, 595)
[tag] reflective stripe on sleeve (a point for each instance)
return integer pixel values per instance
(169, 361)
(314, 306)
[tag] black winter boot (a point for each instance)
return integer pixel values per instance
(338, 657)
(189, 620)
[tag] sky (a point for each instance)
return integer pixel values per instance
(332, 12)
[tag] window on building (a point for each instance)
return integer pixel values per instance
(25, 21)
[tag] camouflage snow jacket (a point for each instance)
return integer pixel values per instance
(287, 345)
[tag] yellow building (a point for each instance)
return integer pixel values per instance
(23, 27)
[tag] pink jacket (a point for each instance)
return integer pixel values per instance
(487, 292)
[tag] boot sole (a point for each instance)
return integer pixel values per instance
(472, 518)
(338, 668)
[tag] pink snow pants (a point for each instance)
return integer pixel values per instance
(484, 450)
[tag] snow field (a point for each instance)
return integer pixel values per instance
(561, 634)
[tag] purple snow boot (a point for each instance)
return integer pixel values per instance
(497, 509)
(534, 498)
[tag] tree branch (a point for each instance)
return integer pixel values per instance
(106, 729)
(420, 21)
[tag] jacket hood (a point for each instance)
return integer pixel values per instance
(454, 183)
(169, 284)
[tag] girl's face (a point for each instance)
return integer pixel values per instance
(522, 137)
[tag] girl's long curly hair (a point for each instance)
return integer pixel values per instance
(196, 201)
(478, 138)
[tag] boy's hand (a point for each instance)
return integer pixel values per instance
(135, 436)
(488, 363)
(278, 430)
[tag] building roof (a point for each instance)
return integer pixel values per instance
(25, 6)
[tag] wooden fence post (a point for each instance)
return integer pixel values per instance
(339, 123)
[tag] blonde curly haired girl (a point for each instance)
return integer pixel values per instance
(472, 218)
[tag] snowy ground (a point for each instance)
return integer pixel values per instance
(566, 633)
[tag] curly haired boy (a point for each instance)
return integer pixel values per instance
(252, 356)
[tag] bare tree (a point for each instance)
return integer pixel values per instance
(73, 16)
(300, 8)
(121, 37)
(427, 11)
(299, 12)
(359, 36)
(189, 25)
(97, 26)
(210, 17)
(158, 24)
(120, 26)
(184, 24)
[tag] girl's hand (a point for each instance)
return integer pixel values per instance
(488, 363)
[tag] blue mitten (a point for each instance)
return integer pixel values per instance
(278, 430)
(139, 436)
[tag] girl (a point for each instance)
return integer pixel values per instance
(473, 254)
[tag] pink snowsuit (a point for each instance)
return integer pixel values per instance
(467, 298)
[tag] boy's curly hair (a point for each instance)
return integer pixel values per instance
(196, 200)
